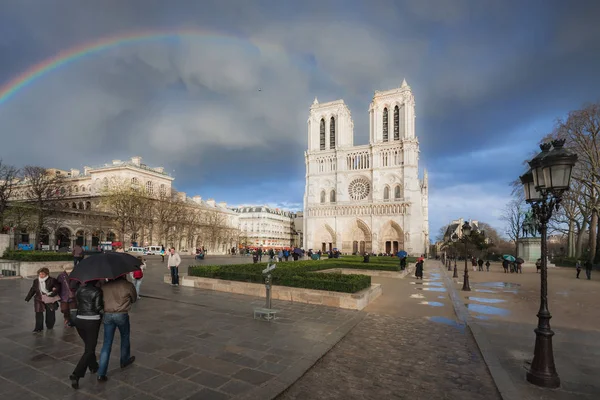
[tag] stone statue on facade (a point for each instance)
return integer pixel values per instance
(530, 225)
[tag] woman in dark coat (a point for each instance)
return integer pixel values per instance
(67, 297)
(90, 307)
(419, 269)
(44, 291)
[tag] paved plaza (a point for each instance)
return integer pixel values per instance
(502, 308)
(412, 342)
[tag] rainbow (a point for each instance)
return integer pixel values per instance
(9, 89)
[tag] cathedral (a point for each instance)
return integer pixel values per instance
(365, 198)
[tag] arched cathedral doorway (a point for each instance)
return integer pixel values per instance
(359, 239)
(325, 239)
(392, 238)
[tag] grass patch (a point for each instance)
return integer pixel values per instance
(301, 274)
(29, 255)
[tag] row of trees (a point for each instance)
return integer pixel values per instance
(577, 218)
(485, 242)
(33, 198)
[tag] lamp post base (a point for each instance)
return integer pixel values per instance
(455, 275)
(466, 287)
(543, 372)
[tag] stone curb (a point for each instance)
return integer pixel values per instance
(284, 381)
(502, 380)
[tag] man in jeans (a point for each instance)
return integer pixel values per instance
(173, 265)
(119, 294)
(77, 254)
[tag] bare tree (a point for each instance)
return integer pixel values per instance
(213, 226)
(514, 215)
(8, 181)
(42, 189)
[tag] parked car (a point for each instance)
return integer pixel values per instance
(136, 251)
(152, 250)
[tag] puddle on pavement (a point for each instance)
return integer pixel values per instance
(489, 310)
(441, 297)
(428, 283)
(566, 294)
(485, 291)
(486, 300)
(432, 289)
(500, 285)
(432, 303)
(417, 296)
(447, 321)
(482, 317)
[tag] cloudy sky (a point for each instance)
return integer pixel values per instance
(490, 77)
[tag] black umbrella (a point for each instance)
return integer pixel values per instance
(105, 266)
(519, 261)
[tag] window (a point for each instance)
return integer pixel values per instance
(134, 181)
(163, 189)
(76, 189)
(396, 123)
(105, 183)
(81, 205)
(149, 188)
(73, 205)
(332, 196)
(322, 134)
(385, 124)
(386, 193)
(332, 133)
(88, 205)
(398, 192)
(82, 188)
(322, 197)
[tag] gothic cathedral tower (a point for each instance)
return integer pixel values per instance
(365, 198)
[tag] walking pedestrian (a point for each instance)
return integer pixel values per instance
(90, 306)
(505, 266)
(487, 265)
(419, 270)
(44, 291)
(67, 297)
(77, 254)
(138, 276)
(588, 269)
(578, 266)
(173, 265)
(480, 263)
(119, 294)
(538, 266)
(162, 252)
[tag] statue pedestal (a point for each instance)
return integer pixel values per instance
(530, 250)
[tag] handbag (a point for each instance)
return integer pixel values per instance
(50, 300)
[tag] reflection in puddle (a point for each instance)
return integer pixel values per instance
(441, 297)
(428, 283)
(417, 296)
(482, 317)
(563, 293)
(432, 289)
(486, 300)
(432, 303)
(447, 321)
(499, 285)
(485, 291)
(480, 308)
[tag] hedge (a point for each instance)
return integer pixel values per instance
(299, 274)
(21, 255)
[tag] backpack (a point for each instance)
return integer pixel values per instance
(138, 274)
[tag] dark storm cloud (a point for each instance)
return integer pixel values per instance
(489, 78)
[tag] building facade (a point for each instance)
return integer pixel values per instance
(365, 198)
(263, 226)
(80, 215)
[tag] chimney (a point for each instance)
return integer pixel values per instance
(74, 172)
(86, 170)
(223, 204)
(211, 202)
(197, 199)
(116, 162)
(159, 169)
(136, 160)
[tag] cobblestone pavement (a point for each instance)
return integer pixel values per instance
(406, 348)
(188, 343)
(504, 307)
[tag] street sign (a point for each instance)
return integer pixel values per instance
(269, 268)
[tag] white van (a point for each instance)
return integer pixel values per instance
(152, 250)
(136, 251)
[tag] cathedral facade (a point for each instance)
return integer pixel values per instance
(366, 198)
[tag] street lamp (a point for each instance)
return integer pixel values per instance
(454, 238)
(466, 232)
(544, 185)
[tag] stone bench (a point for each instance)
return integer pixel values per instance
(265, 313)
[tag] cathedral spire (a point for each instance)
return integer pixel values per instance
(316, 101)
(404, 84)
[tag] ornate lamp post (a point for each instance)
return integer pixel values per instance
(544, 185)
(466, 232)
(454, 239)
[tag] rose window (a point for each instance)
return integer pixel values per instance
(359, 189)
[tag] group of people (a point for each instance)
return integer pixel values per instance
(86, 307)
(588, 269)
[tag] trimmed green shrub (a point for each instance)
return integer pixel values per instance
(21, 255)
(302, 273)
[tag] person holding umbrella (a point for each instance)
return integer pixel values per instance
(117, 296)
(44, 291)
(90, 306)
